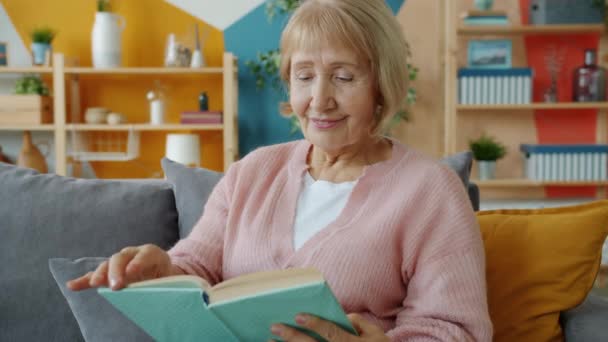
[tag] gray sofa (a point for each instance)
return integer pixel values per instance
(46, 217)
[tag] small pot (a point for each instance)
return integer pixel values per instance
(39, 51)
(487, 169)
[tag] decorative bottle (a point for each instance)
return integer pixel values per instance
(589, 80)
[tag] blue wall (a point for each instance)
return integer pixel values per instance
(260, 123)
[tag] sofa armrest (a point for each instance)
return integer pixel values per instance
(473, 190)
(588, 321)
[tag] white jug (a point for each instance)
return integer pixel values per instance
(106, 40)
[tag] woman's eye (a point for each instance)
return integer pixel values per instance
(304, 78)
(344, 78)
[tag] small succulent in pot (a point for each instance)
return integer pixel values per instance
(42, 37)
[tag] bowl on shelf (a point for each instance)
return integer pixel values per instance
(96, 115)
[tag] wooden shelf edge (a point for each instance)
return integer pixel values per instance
(26, 70)
(509, 183)
(144, 71)
(145, 127)
(530, 29)
(535, 106)
(43, 127)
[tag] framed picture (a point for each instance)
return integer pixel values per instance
(489, 54)
(3, 54)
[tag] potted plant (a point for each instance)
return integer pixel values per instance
(486, 151)
(31, 103)
(42, 38)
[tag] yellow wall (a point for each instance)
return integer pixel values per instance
(148, 24)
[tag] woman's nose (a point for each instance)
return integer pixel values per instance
(322, 95)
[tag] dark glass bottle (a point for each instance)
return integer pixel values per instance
(589, 80)
(203, 102)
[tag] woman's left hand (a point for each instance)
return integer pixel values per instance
(368, 332)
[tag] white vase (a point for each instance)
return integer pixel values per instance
(487, 169)
(106, 40)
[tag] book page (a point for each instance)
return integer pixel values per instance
(259, 282)
(183, 281)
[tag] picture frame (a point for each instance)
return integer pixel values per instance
(490, 54)
(3, 54)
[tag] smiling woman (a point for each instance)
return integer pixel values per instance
(391, 230)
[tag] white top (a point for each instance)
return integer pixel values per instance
(319, 204)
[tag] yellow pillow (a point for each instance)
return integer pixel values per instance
(540, 262)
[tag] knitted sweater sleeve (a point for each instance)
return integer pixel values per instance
(446, 292)
(201, 252)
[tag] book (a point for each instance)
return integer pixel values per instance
(486, 21)
(188, 308)
(203, 120)
(488, 13)
(474, 17)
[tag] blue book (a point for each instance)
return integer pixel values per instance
(495, 20)
(187, 308)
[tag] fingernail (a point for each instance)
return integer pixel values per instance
(301, 319)
(276, 329)
(113, 282)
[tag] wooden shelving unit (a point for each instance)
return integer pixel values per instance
(529, 29)
(455, 36)
(66, 81)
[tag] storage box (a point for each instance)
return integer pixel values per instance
(494, 86)
(543, 12)
(25, 109)
(565, 162)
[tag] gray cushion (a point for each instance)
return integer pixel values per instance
(43, 216)
(461, 163)
(99, 321)
(588, 321)
(192, 187)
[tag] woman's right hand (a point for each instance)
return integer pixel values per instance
(131, 264)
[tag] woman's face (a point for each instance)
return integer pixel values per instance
(332, 94)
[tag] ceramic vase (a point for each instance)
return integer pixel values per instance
(107, 40)
(30, 156)
(484, 5)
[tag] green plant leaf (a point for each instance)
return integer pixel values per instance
(487, 148)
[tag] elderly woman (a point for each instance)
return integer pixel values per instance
(392, 230)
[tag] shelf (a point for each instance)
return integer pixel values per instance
(45, 127)
(144, 71)
(145, 127)
(26, 70)
(514, 182)
(532, 106)
(530, 29)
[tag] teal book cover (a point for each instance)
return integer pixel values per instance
(186, 308)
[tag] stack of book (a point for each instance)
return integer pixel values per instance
(201, 117)
(474, 17)
(494, 86)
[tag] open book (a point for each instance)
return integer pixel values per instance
(187, 308)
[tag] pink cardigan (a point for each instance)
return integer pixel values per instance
(405, 252)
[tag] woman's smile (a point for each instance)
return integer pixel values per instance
(327, 123)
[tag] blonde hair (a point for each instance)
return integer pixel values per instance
(370, 29)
